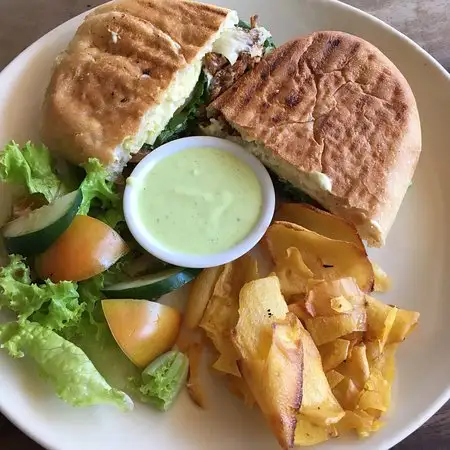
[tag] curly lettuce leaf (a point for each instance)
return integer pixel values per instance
(31, 166)
(66, 366)
(53, 305)
(163, 379)
(97, 188)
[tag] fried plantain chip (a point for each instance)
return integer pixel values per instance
(334, 353)
(347, 394)
(356, 367)
(221, 314)
(405, 322)
(319, 406)
(194, 385)
(267, 339)
(382, 282)
(326, 329)
(201, 292)
(328, 298)
(380, 320)
(328, 259)
(307, 433)
(334, 378)
(293, 273)
(321, 222)
(239, 387)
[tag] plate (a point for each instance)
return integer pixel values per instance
(417, 256)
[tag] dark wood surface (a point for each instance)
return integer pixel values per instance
(425, 21)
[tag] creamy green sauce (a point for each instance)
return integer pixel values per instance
(200, 201)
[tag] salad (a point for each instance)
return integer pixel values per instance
(68, 249)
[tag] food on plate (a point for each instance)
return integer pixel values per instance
(152, 286)
(322, 222)
(194, 383)
(331, 115)
(327, 258)
(221, 313)
(239, 387)
(202, 289)
(382, 282)
(268, 343)
(87, 248)
(142, 329)
(298, 335)
(293, 273)
(405, 321)
(314, 353)
(74, 377)
(137, 72)
(164, 378)
(153, 71)
(35, 232)
(198, 201)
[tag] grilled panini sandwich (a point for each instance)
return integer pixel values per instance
(331, 115)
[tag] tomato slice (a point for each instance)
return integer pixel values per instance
(87, 248)
(143, 330)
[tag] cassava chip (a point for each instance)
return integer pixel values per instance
(334, 353)
(328, 259)
(321, 222)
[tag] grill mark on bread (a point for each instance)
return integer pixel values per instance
(156, 38)
(355, 120)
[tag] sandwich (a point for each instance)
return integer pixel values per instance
(331, 116)
(137, 71)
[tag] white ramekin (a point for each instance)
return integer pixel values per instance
(144, 237)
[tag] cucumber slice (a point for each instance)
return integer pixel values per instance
(34, 233)
(151, 287)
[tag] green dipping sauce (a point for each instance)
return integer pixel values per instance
(200, 201)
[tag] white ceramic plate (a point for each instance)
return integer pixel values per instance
(417, 256)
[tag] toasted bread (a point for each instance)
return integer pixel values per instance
(130, 66)
(333, 116)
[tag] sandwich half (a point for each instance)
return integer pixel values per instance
(131, 66)
(331, 115)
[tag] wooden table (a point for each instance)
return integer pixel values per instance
(425, 21)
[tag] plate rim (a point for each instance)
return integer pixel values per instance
(415, 424)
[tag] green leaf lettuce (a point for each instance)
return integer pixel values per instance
(53, 305)
(66, 366)
(30, 166)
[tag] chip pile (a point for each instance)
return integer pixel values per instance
(307, 343)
